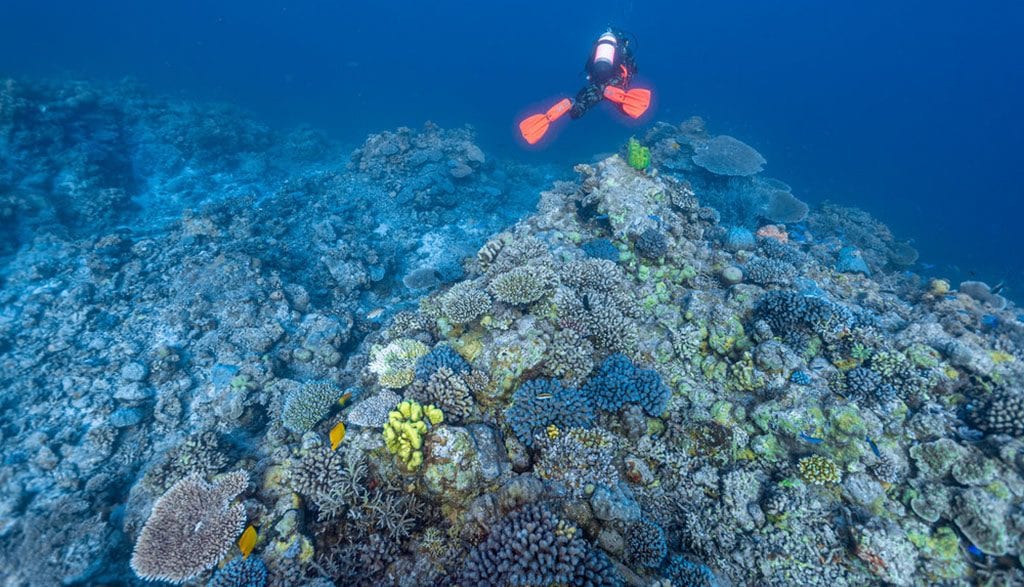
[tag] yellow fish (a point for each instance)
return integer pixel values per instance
(247, 541)
(337, 435)
(343, 399)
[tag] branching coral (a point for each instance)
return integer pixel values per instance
(540, 402)
(192, 526)
(241, 572)
(439, 357)
(580, 459)
(533, 546)
(394, 364)
(645, 543)
(570, 357)
(619, 382)
(523, 285)
(464, 302)
(449, 391)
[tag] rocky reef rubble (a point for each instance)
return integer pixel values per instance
(634, 384)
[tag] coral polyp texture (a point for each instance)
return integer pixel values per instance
(414, 364)
(190, 529)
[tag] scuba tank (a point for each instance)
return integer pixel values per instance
(606, 54)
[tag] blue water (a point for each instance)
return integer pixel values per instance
(909, 110)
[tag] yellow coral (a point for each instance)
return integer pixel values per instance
(404, 431)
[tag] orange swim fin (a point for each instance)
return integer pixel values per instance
(634, 102)
(534, 127)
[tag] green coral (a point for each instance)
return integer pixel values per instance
(403, 433)
(819, 470)
(395, 363)
(637, 155)
(305, 406)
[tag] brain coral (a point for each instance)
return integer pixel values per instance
(540, 402)
(724, 155)
(192, 526)
(533, 546)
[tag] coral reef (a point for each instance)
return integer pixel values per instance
(683, 375)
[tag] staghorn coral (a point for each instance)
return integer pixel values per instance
(191, 527)
(523, 285)
(533, 546)
(464, 302)
(305, 406)
(318, 473)
(394, 364)
(619, 382)
(724, 155)
(538, 403)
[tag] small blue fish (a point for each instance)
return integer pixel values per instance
(975, 550)
(874, 447)
(989, 320)
(1020, 317)
(811, 439)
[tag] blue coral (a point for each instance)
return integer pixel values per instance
(683, 572)
(739, 239)
(241, 572)
(800, 378)
(619, 382)
(441, 356)
(852, 261)
(601, 248)
(539, 403)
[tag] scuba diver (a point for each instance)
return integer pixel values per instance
(610, 68)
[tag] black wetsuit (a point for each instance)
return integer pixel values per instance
(593, 92)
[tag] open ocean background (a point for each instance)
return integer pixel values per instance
(910, 110)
